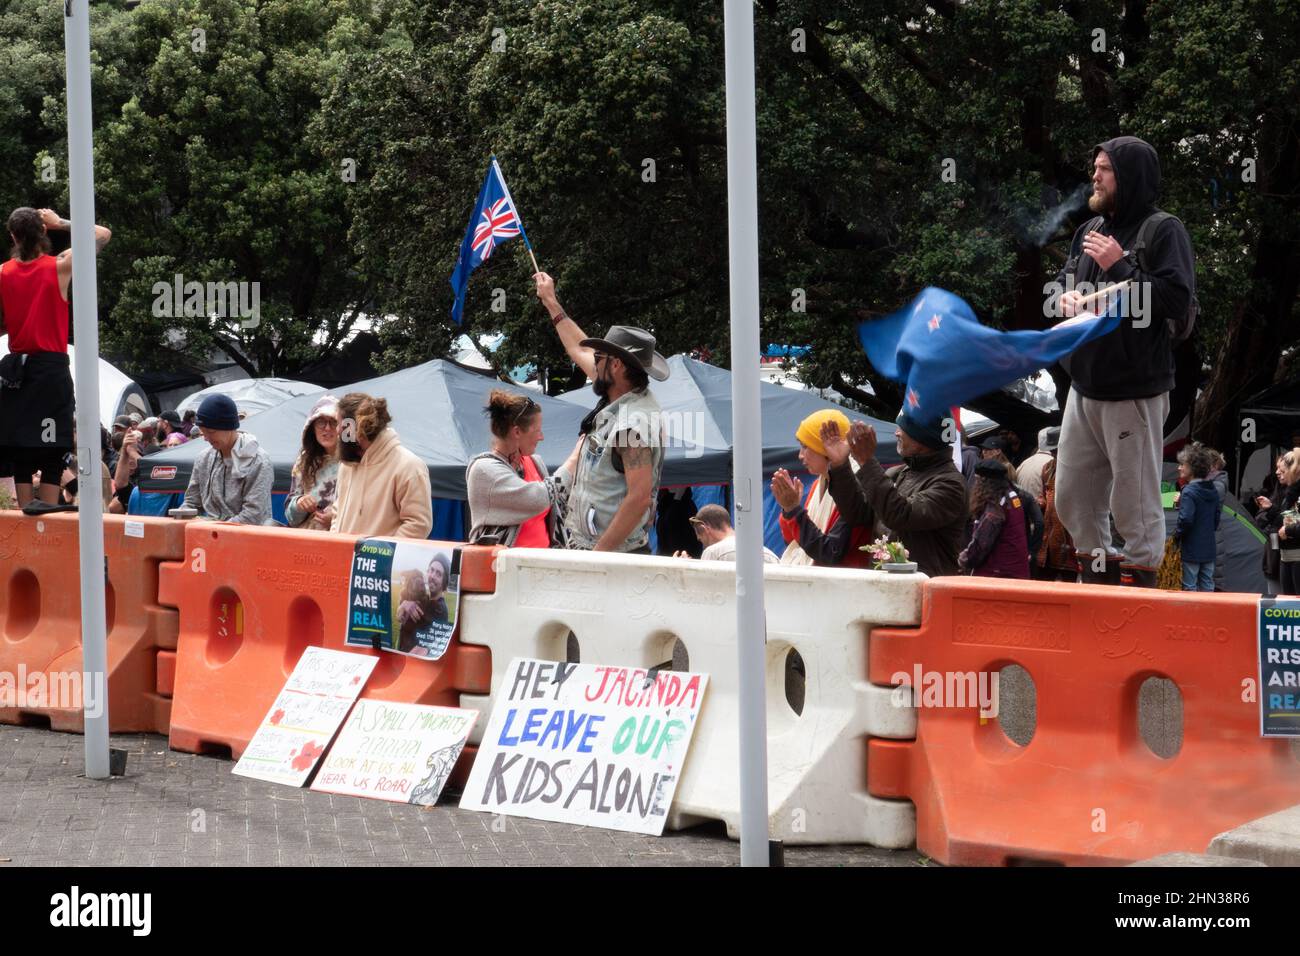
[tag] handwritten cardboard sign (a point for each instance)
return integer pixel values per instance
(398, 752)
(305, 716)
(588, 744)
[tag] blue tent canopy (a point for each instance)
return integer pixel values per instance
(437, 411)
(696, 400)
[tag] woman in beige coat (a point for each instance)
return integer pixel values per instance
(383, 489)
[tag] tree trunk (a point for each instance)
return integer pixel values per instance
(1260, 324)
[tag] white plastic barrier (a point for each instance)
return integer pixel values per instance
(631, 610)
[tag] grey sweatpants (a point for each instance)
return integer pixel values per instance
(1109, 463)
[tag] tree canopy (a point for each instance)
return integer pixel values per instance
(900, 145)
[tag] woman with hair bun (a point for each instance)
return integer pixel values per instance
(383, 489)
(512, 499)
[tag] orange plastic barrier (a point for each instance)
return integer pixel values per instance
(251, 600)
(1086, 789)
(40, 604)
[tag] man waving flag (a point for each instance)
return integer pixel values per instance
(495, 220)
(943, 357)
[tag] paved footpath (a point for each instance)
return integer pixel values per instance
(175, 809)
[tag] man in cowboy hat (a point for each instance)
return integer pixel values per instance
(612, 489)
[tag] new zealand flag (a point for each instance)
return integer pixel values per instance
(944, 357)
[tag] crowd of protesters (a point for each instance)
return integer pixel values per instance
(999, 509)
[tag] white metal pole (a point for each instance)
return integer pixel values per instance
(747, 463)
(90, 520)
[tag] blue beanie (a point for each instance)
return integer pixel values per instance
(929, 434)
(218, 412)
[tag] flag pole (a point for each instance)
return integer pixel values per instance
(1106, 291)
(511, 199)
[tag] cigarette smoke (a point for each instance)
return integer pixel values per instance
(1039, 230)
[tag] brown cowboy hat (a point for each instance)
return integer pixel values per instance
(634, 347)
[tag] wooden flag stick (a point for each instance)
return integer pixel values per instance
(534, 258)
(1106, 291)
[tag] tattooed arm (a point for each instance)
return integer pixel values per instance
(638, 469)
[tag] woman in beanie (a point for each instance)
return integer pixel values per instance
(232, 477)
(383, 488)
(921, 503)
(310, 505)
(999, 545)
(813, 530)
(36, 399)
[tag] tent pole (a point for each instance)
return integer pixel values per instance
(742, 248)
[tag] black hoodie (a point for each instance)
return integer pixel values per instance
(1134, 362)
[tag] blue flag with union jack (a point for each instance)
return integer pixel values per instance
(938, 350)
(494, 221)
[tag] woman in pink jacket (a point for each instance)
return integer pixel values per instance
(383, 488)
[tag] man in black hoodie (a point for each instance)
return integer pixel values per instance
(1111, 437)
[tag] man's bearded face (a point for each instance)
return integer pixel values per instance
(1104, 190)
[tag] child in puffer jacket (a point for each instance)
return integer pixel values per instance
(1199, 511)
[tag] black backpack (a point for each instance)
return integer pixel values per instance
(1180, 328)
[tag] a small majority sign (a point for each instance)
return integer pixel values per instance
(587, 744)
(398, 752)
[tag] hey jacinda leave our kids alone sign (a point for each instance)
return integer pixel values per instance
(587, 744)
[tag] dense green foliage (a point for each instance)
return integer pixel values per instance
(226, 164)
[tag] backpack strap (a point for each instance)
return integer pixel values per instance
(1145, 233)
(1181, 326)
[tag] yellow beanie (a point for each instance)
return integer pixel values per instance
(810, 429)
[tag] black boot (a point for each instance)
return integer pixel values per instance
(1110, 575)
(1139, 577)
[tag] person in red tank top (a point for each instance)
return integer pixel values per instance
(36, 400)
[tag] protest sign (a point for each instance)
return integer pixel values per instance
(1279, 667)
(403, 596)
(398, 752)
(587, 744)
(305, 716)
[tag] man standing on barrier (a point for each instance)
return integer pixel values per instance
(1112, 436)
(610, 503)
